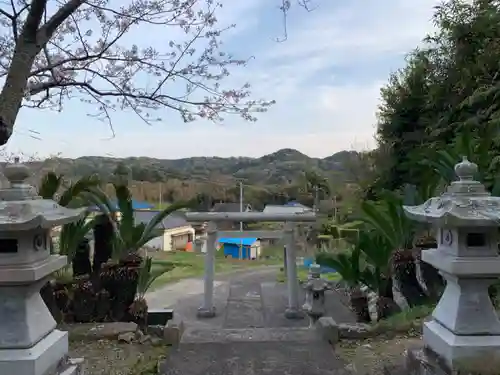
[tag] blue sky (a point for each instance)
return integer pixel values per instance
(325, 78)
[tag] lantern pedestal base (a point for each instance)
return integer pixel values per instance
(41, 359)
(460, 352)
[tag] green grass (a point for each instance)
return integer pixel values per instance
(161, 206)
(178, 265)
(192, 265)
(405, 320)
(302, 274)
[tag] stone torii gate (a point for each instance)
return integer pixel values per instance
(207, 310)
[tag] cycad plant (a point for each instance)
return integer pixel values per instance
(120, 275)
(377, 274)
(131, 236)
(147, 276)
(67, 194)
(348, 264)
(387, 218)
(72, 194)
(71, 237)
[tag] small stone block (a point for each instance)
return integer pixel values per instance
(99, 331)
(172, 333)
(159, 316)
(206, 312)
(328, 329)
(354, 331)
(156, 330)
(72, 366)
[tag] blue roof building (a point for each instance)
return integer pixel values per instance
(240, 248)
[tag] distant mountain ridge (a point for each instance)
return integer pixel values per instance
(280, 167)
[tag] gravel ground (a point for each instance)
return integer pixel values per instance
(104, 357)
(371, 356)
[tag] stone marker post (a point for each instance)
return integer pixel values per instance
(293, 311)
(29, 342)
(208, 308)
(464, 333)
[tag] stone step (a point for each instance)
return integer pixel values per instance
(253, 358)
(232, 335)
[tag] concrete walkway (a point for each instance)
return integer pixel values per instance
(250, 334)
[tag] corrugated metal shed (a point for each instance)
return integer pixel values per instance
(238, 248)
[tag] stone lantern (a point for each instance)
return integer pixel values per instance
(315, 289)
(465, 329)
(29, 342)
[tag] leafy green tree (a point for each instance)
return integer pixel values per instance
(388, 220)
(448, 88)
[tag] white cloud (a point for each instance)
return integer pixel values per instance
(318, 119)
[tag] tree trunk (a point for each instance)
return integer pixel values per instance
(405, 273)
(103, 246)
(81, 260)
(14, 88)
(433, 281)
(359, 304)
(386, 306)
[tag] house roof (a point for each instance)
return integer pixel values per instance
(136, 205)
(237, 241)
(279, 209)
(174, 220)
(297, 204)
(228, 207)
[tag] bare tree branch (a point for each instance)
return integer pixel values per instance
(82, 50)
(285, 8)
(48, 29)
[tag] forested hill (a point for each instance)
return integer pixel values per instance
(281, 167)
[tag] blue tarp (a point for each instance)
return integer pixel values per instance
(323, 269)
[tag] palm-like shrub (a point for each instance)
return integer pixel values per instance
(348, 265)
(389, 221)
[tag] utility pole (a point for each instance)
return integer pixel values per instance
(241, 223)
(160, 198)
(335, 208)
(316, 196)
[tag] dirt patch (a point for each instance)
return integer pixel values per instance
(109, 357)
(372, 355)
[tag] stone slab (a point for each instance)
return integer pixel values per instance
(275, 302)
(244, 313)
(253, 358)
(30, 273)
(249, 335)
(456, 350)
(470, 266)
(99, 331)
(41, 359)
